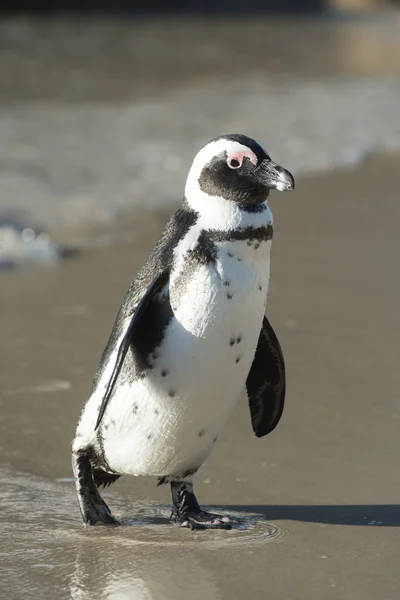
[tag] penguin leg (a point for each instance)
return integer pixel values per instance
(187, 512)
(93, 508)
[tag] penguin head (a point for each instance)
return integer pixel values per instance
(237, 169)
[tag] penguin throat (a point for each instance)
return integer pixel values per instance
(214, 212)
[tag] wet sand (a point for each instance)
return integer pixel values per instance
(319, 496)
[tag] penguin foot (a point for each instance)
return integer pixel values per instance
(93, 508)
(97, 512)
(201, 520)
(187, 512)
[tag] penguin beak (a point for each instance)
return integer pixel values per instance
(275, 177)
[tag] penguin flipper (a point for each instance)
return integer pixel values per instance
(154, 288)
(266, 382)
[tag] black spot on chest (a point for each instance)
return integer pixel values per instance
(205, 250)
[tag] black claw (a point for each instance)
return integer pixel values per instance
(200, 521)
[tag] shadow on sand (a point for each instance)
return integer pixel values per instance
(382, 515)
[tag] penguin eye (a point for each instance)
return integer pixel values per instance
(234, 163)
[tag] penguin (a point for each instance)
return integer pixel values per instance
(191, 335)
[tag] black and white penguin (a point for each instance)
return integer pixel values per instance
(190, 336)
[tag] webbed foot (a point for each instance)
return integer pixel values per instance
(97, 512)
(201, 520)
(187, 512)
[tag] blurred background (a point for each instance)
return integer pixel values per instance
(103, 105)
(189, 6)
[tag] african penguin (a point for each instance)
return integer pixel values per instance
(190, 336)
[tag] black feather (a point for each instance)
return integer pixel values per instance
(101, 478)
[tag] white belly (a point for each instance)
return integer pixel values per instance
(166, 423)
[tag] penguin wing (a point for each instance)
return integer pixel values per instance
(149, 280)
(129, 338)
(266, 382)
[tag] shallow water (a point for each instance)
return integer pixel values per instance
(47, 553)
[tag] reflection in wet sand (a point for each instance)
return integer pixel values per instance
(145, 559)
(116, 571)
(39, 537)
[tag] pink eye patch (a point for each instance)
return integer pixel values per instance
(235, 159)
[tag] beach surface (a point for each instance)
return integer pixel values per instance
(319, 496)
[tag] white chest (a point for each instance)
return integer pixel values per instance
(200, 369)
(165, 423)
(218, 298)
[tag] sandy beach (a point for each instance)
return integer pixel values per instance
(319, 495)
(99, 122)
